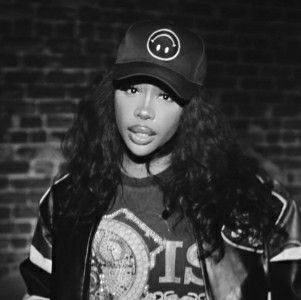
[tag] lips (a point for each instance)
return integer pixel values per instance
(142, 129)
(141, 135)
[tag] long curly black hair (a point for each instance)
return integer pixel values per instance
(212, 183)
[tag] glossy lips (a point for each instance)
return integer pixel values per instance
(141, 135)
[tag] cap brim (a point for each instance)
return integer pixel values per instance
(176, 82)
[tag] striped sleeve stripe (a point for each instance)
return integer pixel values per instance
(38, 259)
(293, 253)
(42, 240)
(34, 297)
(44, 196)
(48, 190)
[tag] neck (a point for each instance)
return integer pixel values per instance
(137, 167)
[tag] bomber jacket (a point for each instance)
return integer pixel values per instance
(58, 266)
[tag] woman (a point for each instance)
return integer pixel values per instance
(159, 202)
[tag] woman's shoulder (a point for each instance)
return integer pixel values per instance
(287, 221)
(62, 182)
(52, 198)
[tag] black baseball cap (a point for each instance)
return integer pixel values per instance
(165, 52)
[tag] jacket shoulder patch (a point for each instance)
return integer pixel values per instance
(252, 243)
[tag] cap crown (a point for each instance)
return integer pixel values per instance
(166, 45)
(166, 52)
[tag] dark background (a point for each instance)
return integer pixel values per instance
(52, 51)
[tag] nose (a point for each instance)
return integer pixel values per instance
(144, 110)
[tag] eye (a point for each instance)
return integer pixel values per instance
(132, 90)
(166, 97)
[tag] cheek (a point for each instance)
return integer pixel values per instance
(121, 113)
(119, 119)
(175, 124)
(117, 113)
(171, 123)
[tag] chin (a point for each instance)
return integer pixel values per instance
(140, 151)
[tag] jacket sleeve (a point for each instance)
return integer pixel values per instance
(286, 252)
(284, 249)
(289, 247)
(36, 269)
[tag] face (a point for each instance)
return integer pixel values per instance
(147, 117)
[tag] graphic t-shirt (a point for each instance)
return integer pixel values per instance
(136, 254)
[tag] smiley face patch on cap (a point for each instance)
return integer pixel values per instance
(165, 52)
(163, 44)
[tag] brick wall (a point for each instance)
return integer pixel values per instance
(51, 51)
